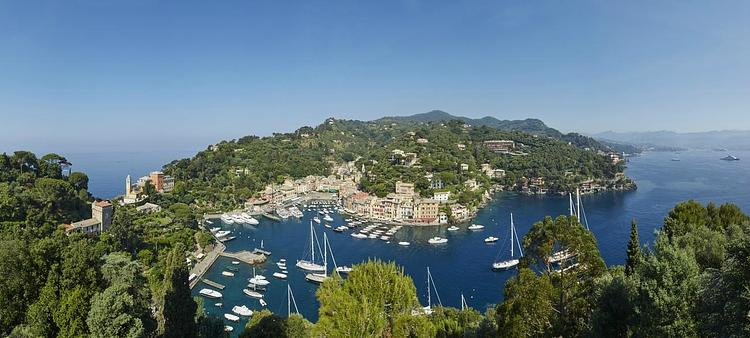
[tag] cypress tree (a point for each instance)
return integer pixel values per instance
(634, 249)
(177, 318)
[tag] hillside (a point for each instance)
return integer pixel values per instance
(531, 126)
(227, 173)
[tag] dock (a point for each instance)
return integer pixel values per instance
(261, 251)
(245, 256)
(213, 284)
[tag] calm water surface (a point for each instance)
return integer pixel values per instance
(463, 264)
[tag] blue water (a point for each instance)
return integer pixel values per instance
(463, 264)
(107, 170)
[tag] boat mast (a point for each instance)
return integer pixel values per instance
(570, 205)
(289, 301)
(312, 243)
(511, 234)
(429, 300)
(578, 204)
(325, 254)
(464, 306)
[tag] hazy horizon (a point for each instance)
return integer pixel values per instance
(114, 75)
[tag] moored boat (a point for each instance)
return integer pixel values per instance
(210, 293)
(242, 311)
(252, 293)
(437, 240)
(231, 317)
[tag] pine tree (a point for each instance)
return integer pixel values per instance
(634, 249)
(177, 317)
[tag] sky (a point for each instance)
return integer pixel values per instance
(104, 74)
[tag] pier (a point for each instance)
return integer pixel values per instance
(245, 256)
(213, 284)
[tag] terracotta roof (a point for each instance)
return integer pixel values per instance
(103, 203)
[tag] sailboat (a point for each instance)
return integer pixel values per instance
(430, 283)
(321, 277)
(289, 301)
(507, 264)
(311, 265)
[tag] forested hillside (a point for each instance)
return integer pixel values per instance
(227, 173)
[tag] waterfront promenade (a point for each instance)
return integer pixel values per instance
(201, 267)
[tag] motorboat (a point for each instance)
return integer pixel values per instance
(256, 281)
(235, 262)
(223, 233)
(316, 277)
(262, 302)
(279, 275)
(491, 239)
(475, 227)
(252, 293)
(215, 229)
(343, 269)
(504, 265)
(228, 328)
(328, 218)
(730, 158)
(437, 240)
(385, 238)
(404, 243)
(231, 317)
(227, 273)
(453, 228)
(210, 293)
(242, 311)
(359, 235)
(316, 219)
(327, 226)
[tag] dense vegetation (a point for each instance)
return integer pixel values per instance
(132, 280)
(226, 174)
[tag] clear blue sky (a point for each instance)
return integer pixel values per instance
(101, 73)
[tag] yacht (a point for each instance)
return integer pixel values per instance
(231, 317)
(252, 293)
(279, 275)
(475, 227)
(453, 228)
(491, 239)
(437, 240)
(730, 158)
(210, 293)
(359, 235)
(227, 273)
(242, 311)
(328, 218)
(223, 233)
(404, 243)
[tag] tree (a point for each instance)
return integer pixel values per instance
(16, 279)
(614, 305)
(527, 307)
(265, 324)
(177, 307)
(634, 249)
(79, 180)
(358, 307)
(71, 314)
(211, 327)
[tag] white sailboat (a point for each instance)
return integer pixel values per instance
(507, 264)
(431, 284)
(311, 265)
(321, 277)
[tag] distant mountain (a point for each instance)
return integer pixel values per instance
(532, 126)
(727, 139)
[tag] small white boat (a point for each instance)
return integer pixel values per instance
(316, 277)
(453, 228)
(437, 240)
(251, 293)
(261, 282)
(231, 317)
(359, 235)
(343, 269)
(219, 304)
(228, 328)
(385, 238)
(227, 273)
(214, 230)
(262, 302)
(210, 293)
(475, 227)
(328, 218)
(327, 226)
(316, 219)
(279, 275)
(372, 236)
(282, 260)
(235, 262)
(252, 221)
(404, 243)
(242, 311)
(491, 239)
(223, 233)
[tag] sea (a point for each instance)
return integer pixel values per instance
(463, 265)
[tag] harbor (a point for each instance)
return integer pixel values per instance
(466, 253)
